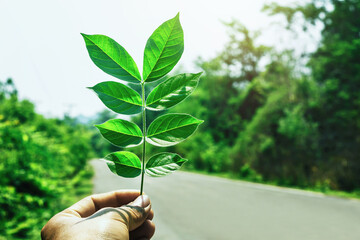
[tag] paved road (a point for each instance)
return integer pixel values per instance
(195, 207)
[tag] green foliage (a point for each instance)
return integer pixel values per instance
(311, 11)
(172, 91)
(162, 52)
(336, 67)
(171, 129)
(282, 123)
(118, 97)
(101, 146)
(121, 133)
(111, 57)
(124, 164)
(40, 174)
(242, 54)
(163, 163)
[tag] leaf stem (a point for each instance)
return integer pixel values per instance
(144, 136)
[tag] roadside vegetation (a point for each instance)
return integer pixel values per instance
(279, 116)
(42, 165)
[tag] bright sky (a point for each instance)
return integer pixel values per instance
(42, 50)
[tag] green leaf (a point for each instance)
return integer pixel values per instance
(118, 97)
(163, 163)
(172, 91)
(170, 129)
(163, 49)
(124, 164)
(121, 132)
(111, 57)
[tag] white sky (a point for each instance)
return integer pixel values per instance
(42, 50)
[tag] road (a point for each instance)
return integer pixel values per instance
(190, 206)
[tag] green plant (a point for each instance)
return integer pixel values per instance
(40, 174)
(162, 52)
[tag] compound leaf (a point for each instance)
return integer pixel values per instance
(170, 129)
(121, 132)
(163, 49)
(118, 97)
(172, 91)
(111, 57)
(124, 164)
(163, 163)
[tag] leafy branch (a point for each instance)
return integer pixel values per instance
(162, 52)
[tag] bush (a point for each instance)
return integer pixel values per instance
(41, 162)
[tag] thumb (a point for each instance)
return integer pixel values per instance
(135, 213)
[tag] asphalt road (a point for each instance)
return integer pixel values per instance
(196, 207)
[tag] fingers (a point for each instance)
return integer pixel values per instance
(91, 204)
(151, 215)
(135, 213)
(145, 231)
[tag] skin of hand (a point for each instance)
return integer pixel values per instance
(120, 215)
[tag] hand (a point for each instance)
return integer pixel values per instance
(118, 215)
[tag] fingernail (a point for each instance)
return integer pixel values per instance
(141, 201)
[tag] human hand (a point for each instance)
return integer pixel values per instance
(120, 215)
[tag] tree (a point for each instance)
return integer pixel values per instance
(336, 68)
